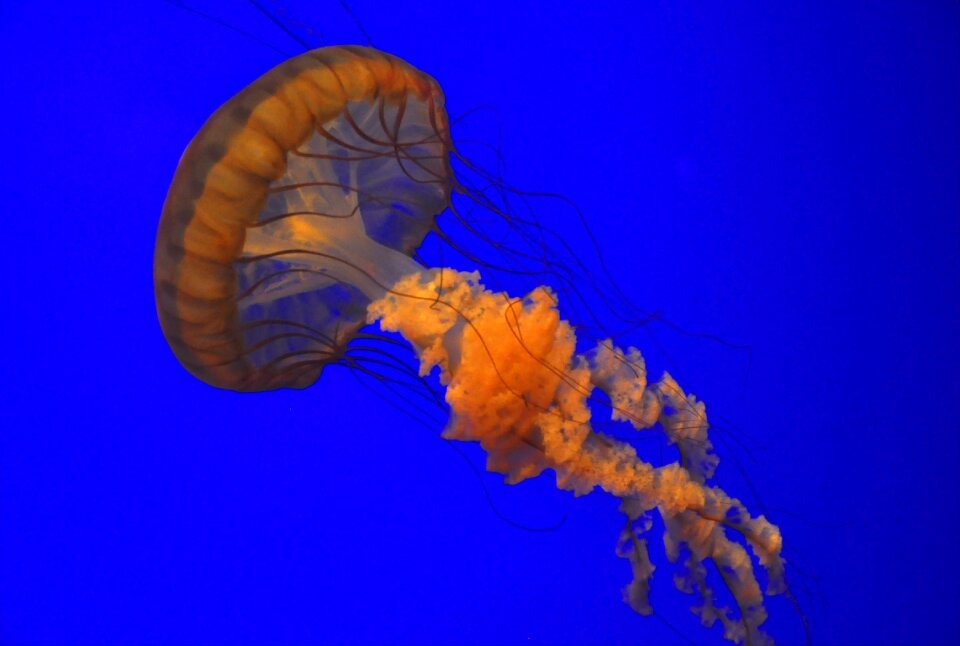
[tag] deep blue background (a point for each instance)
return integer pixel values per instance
(784, 177)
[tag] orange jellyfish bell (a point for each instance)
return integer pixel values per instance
(261, 272)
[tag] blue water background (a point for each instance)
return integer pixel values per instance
(778, 175)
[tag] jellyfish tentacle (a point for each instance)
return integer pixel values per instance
(516, 385)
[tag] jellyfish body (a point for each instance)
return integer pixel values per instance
(293, 221)
(298, 202)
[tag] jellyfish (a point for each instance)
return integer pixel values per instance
(293, 224)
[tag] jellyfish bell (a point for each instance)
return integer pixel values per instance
(297, 204)
(294, 220)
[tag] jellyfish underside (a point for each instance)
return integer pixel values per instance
(260, 288)
(334, 234)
